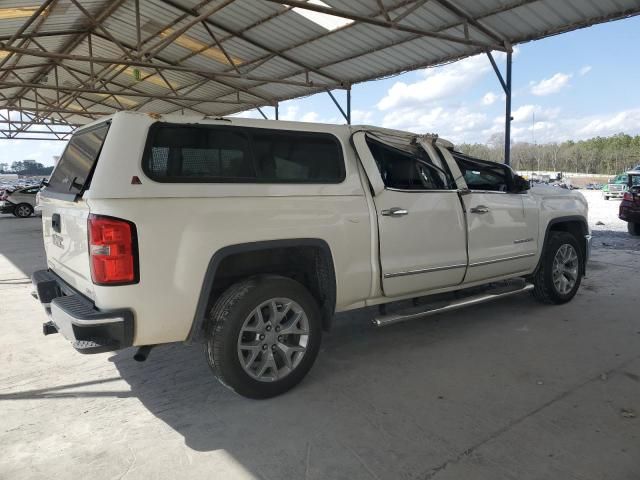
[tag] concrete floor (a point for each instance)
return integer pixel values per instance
(509, 390)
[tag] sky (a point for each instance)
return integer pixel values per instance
(571, 86)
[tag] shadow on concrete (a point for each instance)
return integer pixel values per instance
(374, 396)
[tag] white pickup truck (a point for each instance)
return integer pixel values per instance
(248, 235)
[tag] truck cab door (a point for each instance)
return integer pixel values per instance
(420, 220)
(502, 225)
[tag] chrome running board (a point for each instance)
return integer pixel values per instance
(391, 318)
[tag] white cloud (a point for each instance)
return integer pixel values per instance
(290, 113)
(551, 85)
(525, 114)
(309, 117)
(438, 84)
(560, 128)
(361, 116)
(489, 98)
(627, 121)
(456, 124)
(584, 70)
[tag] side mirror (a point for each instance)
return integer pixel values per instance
(520, 184)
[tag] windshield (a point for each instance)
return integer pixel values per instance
(619, 179)
(73, 171)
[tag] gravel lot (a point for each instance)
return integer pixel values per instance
(607, 229)
(509, 390)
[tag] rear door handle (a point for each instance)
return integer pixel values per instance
(395, 212)
(480, 209)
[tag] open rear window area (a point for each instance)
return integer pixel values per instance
(73, 171)
(221, 154)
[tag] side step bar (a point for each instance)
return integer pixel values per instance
(396, 317)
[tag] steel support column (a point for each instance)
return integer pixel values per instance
(506, 86)
(347, 114)
(507, 114)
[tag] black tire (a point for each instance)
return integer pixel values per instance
(227, 318)
(545, 290)
(633, 228)
(23, 210)
(606, 197)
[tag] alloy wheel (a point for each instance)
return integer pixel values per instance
(273, 339)
(565, 269)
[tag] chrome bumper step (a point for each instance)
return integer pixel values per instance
(425, 310)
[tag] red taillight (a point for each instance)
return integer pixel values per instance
(628, 196)
(113, 250)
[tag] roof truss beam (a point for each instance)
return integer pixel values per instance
(387, 24)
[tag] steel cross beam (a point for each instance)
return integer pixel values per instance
(347, 114)
(411, 5)
(178, 68)
(254, 43)
(109, 7)
(385, 23)
(38, 86)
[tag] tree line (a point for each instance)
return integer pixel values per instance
(25, 168)
(598, 155)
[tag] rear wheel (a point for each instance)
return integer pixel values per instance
(23, 210)
(633, 228)
(263, 336)
(560, 272)
(606, 197)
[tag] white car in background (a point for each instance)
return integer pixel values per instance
(21, 202)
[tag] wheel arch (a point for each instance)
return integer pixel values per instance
(574, 224)
(304, 253)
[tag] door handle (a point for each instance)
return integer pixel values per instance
(395, 212)
(480, 209)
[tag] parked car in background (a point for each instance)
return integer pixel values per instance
(20, 202)
(630, 205)
(616, 187)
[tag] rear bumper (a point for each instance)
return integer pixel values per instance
(89, 329)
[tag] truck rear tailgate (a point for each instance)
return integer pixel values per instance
(65, 212)
(64, 228)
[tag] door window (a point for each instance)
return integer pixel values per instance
(483, 175)
(408, 170)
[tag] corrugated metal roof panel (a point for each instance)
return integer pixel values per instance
(281, 52)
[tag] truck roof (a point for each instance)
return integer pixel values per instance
(274, 124)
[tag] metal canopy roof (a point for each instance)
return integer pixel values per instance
(67, 62)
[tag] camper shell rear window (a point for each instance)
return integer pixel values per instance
(77, 163)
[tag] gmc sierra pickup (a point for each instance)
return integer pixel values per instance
(248, 235)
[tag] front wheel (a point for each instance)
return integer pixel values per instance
(633, 228)
(560, 271)
(263, 335)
